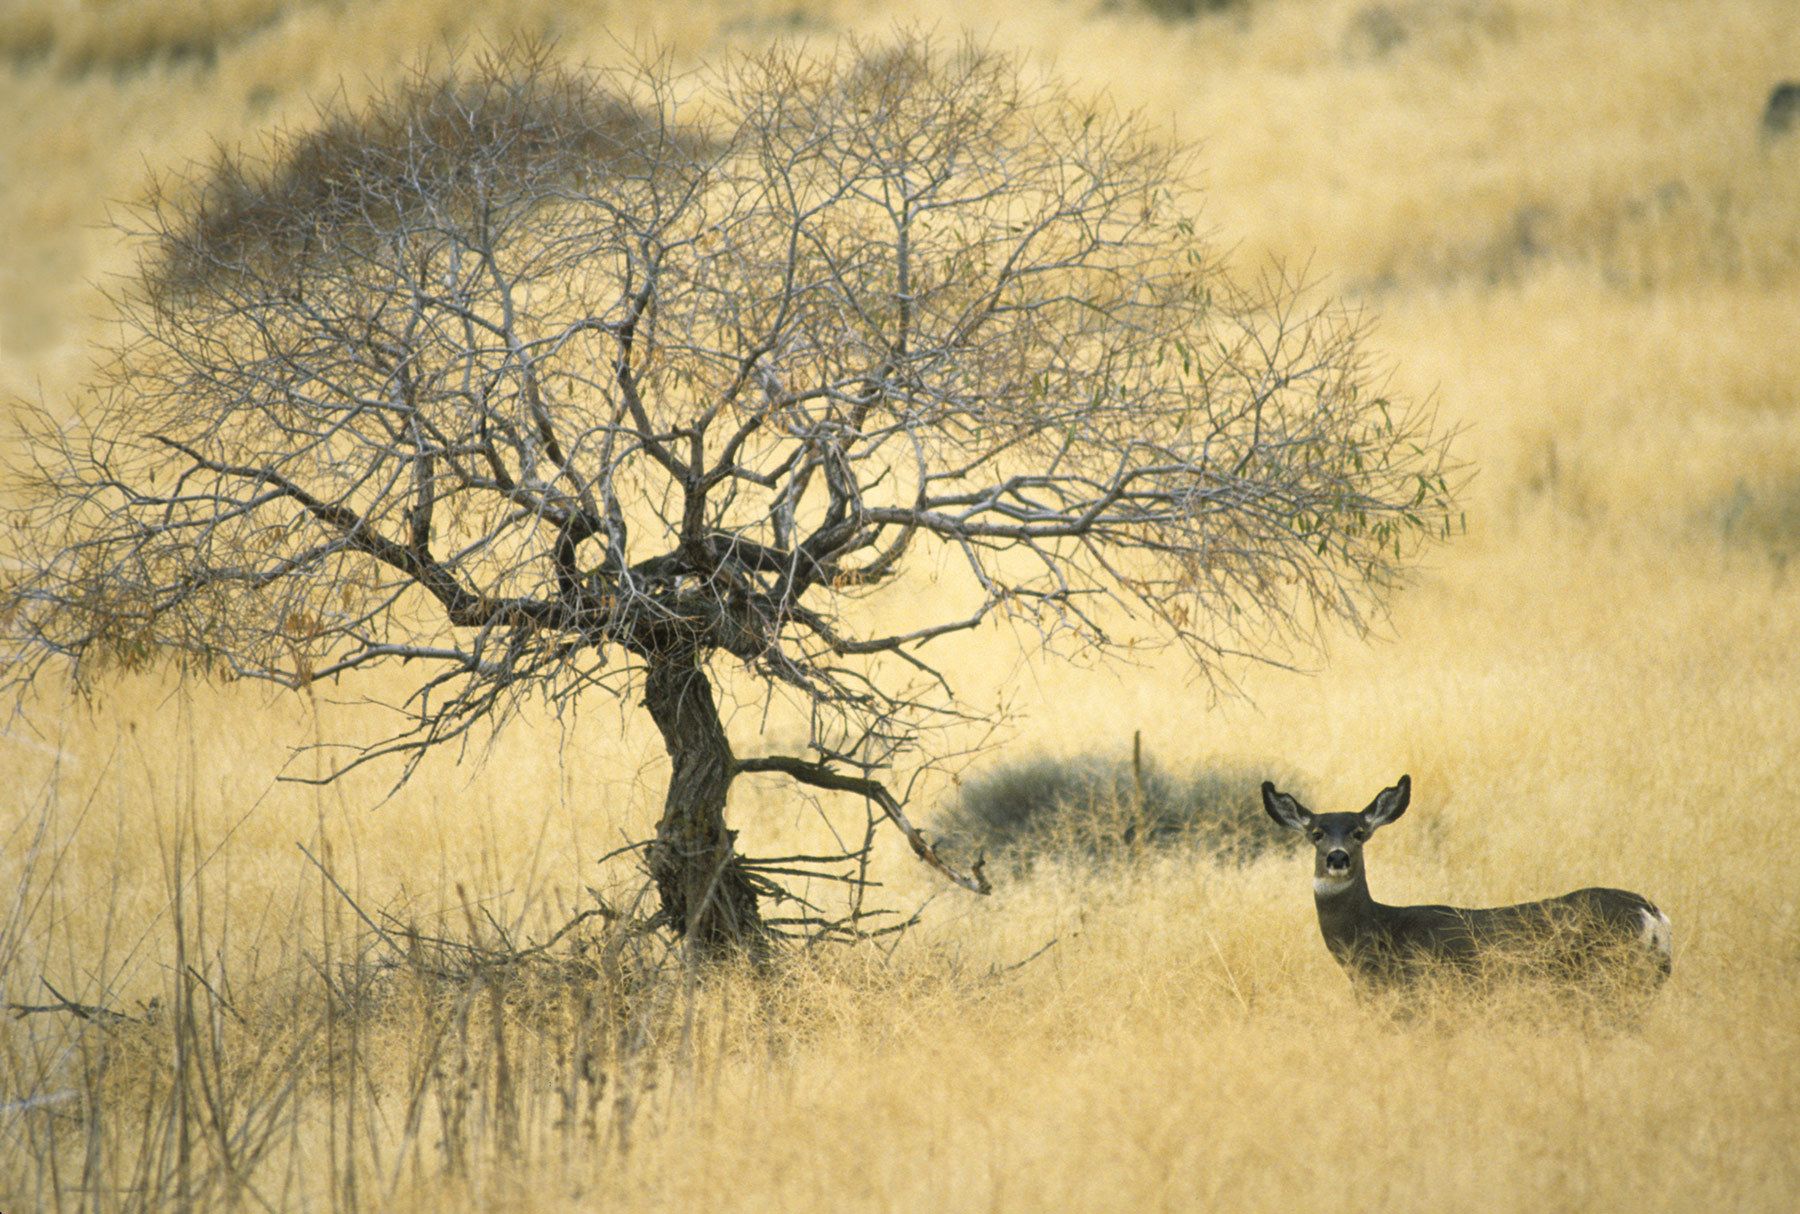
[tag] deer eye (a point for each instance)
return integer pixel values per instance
(1359, 834)
(1316, 834)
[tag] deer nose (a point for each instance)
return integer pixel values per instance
(1337, 861)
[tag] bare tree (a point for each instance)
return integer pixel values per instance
(554, 382)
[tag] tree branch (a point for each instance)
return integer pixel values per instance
(818, 775)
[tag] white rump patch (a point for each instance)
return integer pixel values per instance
(1659, 933)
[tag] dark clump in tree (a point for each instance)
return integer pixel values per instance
(558, 383)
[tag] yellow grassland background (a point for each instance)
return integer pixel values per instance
(1568, 229)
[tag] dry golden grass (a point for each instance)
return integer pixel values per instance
(1572, 234)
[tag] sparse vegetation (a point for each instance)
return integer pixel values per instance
(1182, 10)
(1596, 684)
(1765, 519)
(127, 37)
(1102, 807)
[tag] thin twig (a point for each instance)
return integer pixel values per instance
(996, 971)
(345, 895)
(83, 1011)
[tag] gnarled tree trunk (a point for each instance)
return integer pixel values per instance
(706, 896)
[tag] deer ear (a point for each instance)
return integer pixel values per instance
(1284, 809)
(1388, 804)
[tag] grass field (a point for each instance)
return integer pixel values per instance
(1568, 229)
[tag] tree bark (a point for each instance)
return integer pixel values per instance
(706, 896)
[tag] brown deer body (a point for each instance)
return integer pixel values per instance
(1588, 934)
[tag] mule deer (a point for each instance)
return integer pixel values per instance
(1587, 934)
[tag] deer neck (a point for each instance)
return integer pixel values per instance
(1347, 911)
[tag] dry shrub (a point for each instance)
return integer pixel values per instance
(380, 1050)
(124, 36)
(1186, 10)
(1091, 806)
